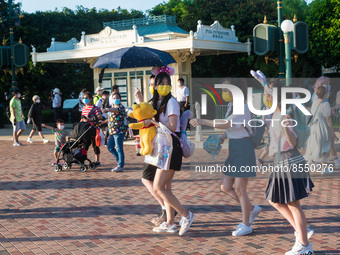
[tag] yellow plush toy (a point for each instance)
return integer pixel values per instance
(143, 111)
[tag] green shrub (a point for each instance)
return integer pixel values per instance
(48, 116)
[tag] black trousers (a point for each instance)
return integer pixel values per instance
(183, 108)
(57, 113)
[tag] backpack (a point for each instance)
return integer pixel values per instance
(212, 145)
(258, 131)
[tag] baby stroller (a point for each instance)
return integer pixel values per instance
(72, 152)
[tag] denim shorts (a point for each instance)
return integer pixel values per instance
(19, 125)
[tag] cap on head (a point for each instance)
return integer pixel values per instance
(56, 90)
(99, 89)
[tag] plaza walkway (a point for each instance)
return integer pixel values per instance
(100, 212)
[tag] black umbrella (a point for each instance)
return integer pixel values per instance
(132, 57)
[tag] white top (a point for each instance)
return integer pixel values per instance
(99, 102)
(182, 93)
(172, 108)
(56, 101)
(80, 97)
(275, 131)
(238, 130)
(324, 108)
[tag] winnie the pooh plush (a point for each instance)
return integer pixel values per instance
(143, 111)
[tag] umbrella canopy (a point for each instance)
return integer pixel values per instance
(132, 57)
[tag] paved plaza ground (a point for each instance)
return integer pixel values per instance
(100, 212)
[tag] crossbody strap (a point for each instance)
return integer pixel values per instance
(91, 111)
(312, 119)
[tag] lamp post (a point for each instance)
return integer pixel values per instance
(11, 20)
(287, 28)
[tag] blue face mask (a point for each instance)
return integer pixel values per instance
(116, 101)
(86, 100)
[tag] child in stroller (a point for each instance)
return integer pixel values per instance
(71, 151)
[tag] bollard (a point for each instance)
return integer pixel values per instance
(198, 136)
(138, 147)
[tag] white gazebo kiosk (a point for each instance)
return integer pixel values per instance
(159, 32)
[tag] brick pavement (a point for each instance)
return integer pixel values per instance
(100, 212)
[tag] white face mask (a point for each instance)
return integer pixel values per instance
(19, 95)
(61, 127)
(38, 100)
(179, 84)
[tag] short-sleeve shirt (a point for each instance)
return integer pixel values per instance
(275, 131)
(238, 130)
(87, 111)
(56, 101)
(182, 93)
(60, 136)
(172, 108)
(16, 104)
(116, 121)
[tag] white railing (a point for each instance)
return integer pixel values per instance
(141, 22)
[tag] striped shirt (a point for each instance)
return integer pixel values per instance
(87, 109)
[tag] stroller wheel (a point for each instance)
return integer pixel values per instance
(92, 165)
(67, 166)
(83, 168)
(57, 168)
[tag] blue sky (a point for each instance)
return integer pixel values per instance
(44, 5)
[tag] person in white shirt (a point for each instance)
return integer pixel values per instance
(241, 155)
(168, 113)
(80, 98)
(56, 104)
(182, 95)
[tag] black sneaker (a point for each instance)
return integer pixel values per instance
(97, 163)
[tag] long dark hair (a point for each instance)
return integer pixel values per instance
(162, 109)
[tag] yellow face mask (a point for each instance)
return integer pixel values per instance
(268, 100)
(151, 89)
(164, 90)
(226, 97)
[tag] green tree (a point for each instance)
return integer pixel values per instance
(297, 7)
(37, 29)
(324, 30)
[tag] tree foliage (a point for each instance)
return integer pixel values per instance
(324, 31)
(37, 29)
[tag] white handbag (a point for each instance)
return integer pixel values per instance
(161, 149)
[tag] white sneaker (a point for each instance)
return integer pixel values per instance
(29, 140)
(186, 223)
(257, 209)
(165, 227)
(242, 230)
(17, 144)
(117, 169)
(45, 140)
(327, 171)
(337, 163)
(310, 232)
(299, 249)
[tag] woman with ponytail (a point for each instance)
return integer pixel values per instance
(168, 113)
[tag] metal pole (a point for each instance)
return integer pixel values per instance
(280, 37)
(11, 37)
(287, 37)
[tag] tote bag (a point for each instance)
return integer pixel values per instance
(161, 149)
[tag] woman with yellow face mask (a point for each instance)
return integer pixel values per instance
(168, 113)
